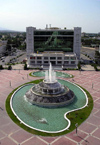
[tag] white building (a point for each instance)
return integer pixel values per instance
(61, 47)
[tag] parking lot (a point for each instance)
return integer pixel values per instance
(88, 51)
(17, 57)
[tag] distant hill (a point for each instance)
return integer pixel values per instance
(6, 30)
(1, 29)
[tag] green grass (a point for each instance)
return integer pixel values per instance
(30, 74)
(75, 117)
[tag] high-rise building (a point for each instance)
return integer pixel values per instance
(61, 47)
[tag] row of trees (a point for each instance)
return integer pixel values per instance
(14, 40)
(17, 42)
(10, 67)
(88, 42)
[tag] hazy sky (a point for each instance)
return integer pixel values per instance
(19, 14)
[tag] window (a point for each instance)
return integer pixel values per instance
(73, 58)
(45, 57)
(38, 57)
(66, 57)
(59, 62)
(52, 57)
(59, 57)
(72, 62)
(66, 62)
(39, 62)
(45, 61)
(32, 62)
(32, 57)
(53, 41)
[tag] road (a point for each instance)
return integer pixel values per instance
(15, 58)
(88, 51)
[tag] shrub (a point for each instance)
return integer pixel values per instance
(79, 66)
(25, 67)
(1, 67)
(9, 67)
(95, 67)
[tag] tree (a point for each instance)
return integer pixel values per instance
(95, 67)
(1, 67)
(8, 47)
(79, 66)
(25, 67)
(97, 57)
(9, 67)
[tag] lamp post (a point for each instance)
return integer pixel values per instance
(27, 76)
(76, 125)
(10, 83)
(80, 71)
(92, 85)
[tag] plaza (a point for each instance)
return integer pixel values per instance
(88, 132)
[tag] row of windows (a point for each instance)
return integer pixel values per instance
(46, 58)
(53, 32)
(53, 43)
(58, 62)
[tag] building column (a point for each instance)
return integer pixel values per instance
(77, 41)
(56, 59)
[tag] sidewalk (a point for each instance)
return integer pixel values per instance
(21, 67)
(88, 132)
(16, 67)
(87, 67)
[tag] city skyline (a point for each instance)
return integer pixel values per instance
(17, 15)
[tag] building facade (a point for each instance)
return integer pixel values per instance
(61, 47)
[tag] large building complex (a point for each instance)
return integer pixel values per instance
(61, 47)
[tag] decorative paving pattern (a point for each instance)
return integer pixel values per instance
(88, 132)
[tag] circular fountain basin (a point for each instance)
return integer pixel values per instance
(58, 74)
(51, 120)
(50, 95)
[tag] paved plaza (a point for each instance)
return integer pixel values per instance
(88, 132)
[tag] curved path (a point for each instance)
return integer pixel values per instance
(88, 132)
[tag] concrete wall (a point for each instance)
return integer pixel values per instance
(77, 41)
(64, 59)
(30, 40)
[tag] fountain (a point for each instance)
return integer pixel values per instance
(44, 106)
(49, 92)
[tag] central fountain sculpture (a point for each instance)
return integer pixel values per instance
(49, 92)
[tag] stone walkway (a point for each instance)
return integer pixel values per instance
(88, 132)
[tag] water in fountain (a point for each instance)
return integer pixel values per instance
(46, 75)
(50, 75)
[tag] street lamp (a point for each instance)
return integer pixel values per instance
(76, 125)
